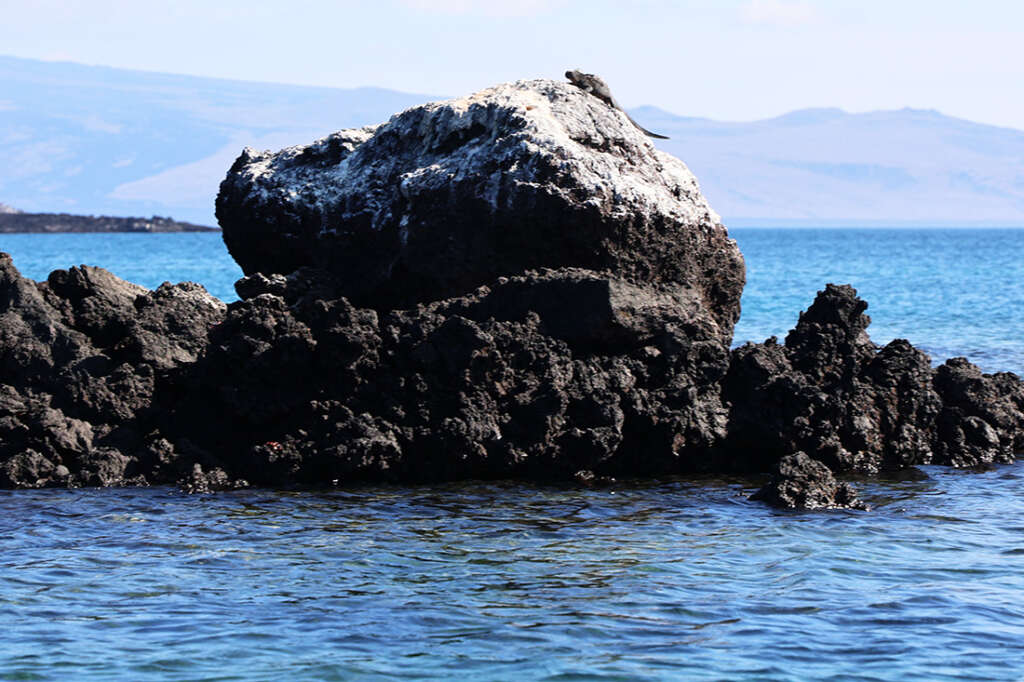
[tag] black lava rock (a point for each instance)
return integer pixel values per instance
(800, 482)
(844, 401)
(542, 376)
(81, 356)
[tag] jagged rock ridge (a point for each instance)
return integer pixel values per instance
(81, 358)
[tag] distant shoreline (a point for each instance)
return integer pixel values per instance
(846, 223)
(55, 223)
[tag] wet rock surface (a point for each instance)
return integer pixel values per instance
(512, 285)
(800, 482)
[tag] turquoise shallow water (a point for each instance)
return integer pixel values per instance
(680, 579)
(146, 259)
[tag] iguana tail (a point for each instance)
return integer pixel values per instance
(645, 131)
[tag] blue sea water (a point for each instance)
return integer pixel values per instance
(679, 579)
(146, 259)
(950, 291)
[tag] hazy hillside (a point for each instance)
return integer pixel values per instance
(97, 140)
(825, 165)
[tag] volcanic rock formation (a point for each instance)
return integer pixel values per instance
(832, 393)
(511, 285)
(577, 298)
(540, 376)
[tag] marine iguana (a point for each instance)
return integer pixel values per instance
(588, 82)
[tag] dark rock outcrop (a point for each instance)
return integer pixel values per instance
(833, 394)
(449, 196)
(982, 416)
(800, 482)
(576, 300)
(540, 376)
(80, 358)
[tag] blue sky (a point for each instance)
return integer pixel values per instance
(727, 59)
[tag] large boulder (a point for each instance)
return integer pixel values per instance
(449, 196)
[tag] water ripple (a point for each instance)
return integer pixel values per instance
(506, 581)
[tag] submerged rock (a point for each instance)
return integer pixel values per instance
(800, 482)
(199, 481)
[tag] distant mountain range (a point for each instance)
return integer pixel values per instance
(97, 140)
(826, 166)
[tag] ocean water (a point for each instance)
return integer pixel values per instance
(950, 291)
(146, 259)
(678, 579)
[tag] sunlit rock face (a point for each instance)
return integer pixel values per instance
(512, 284)
(448, 196)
